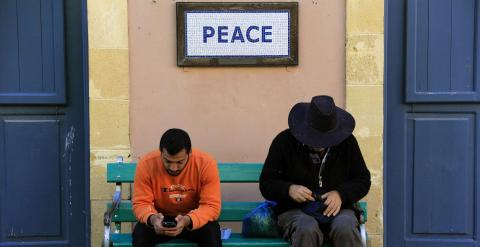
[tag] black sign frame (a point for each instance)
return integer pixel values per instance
(289, 60)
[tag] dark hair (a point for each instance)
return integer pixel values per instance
(174, 140)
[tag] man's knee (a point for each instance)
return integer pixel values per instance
(209, 234)
(344, 225)
(142, 235)
(307, 225)
(211, 228)
(305, 231)
(312, 232)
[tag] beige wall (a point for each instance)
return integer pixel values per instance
(364, 96)
(109, 100)
(233, 113)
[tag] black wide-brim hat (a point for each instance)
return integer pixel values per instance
(320, 124)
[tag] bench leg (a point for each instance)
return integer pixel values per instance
(363, 233)
(106, 237)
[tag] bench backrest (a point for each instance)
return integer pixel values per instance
(119, 173)
(229, 172)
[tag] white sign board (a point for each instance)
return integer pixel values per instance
(237, 33)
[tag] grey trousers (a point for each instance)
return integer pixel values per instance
(302, 230)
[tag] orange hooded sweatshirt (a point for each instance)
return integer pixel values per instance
(194, 192)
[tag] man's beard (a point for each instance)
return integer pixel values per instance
(174, 173)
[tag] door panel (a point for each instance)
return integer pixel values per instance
(33, 148)
(440, 149)
(32, 52)
(441, 51)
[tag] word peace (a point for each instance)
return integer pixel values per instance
(252, 34)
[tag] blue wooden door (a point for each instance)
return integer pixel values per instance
(43, 124)
(432, 116)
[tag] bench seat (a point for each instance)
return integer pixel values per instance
(231, 211)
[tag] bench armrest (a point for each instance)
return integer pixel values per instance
(361, 207)
(107, 217)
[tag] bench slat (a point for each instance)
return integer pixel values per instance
(231, 211)
(229, 172)
(121, 172)
(240, 172)
(235, 211)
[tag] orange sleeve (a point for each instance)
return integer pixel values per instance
(143, 205)
(209, 204)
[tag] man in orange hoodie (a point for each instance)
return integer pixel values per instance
(176, 194)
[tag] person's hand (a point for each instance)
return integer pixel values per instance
(333, 201)
(156, 221)
(182, 222)
(300, 193)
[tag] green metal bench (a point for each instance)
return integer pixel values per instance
(119, 211)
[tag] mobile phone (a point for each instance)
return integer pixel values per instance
(169, 222)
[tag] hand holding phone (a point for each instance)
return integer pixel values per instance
(169, 222)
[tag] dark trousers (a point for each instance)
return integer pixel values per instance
(206, 236)
(302, 230)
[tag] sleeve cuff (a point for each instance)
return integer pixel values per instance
(148, 221)
(193, 222)
(145, 214)
(287, 190)
(343, 196)
(190, 226)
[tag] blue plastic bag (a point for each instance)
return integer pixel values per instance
(261, 222)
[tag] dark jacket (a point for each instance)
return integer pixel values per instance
(288, 163)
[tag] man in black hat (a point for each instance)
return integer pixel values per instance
(315, 172)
